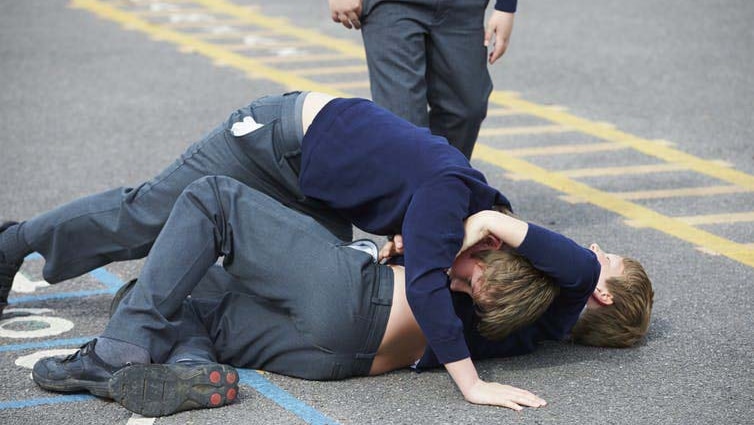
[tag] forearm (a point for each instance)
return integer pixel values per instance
(509, 230)
(464, 374)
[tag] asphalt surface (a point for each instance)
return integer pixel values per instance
(87, 104)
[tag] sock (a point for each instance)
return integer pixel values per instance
(13, 249)
(120, 353)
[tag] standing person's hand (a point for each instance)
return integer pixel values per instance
(392, 248)
(346, 12)
(500, 25)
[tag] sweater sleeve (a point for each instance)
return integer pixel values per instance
(506, 5)
(432, 236)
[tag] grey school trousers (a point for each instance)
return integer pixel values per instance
(122, 224)
(293, 298)
(430, 53)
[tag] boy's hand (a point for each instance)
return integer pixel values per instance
(501, 25)
(475, 229)
(496, 394)
(392, 248)
(346, 12)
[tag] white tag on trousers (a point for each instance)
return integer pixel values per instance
(244, 127)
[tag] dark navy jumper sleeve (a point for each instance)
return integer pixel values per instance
(432, 236)
(506, 5)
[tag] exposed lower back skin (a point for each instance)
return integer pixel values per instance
(403, 342)
(313, 103)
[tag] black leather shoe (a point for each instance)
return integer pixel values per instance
(118, 297)
(80, 371)
(7, 273)
(164, 389)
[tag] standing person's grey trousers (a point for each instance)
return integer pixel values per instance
(302, 303)
(430, 52)
(122, 224)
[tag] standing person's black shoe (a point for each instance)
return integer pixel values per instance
(8, 271)
(164, 389)
(80, 371)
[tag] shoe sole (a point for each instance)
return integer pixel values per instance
(100, 389)
(161, 390)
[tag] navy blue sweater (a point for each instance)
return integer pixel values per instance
(506, 5)
(573, 268)
(389, 176)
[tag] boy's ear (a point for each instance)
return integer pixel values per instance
(603, 296)
(492, 242)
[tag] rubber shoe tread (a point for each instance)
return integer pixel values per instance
(164, 389)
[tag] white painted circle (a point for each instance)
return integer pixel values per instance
(29, 360)
(55, 326)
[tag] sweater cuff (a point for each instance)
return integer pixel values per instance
(450, 351)
(506, 5)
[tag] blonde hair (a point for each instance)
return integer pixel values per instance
(626, 320)
(512, 294)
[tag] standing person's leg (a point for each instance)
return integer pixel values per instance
(458, 81)
(395, 37)
(123, 223)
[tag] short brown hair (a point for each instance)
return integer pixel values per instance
(513, 293)
(622, 323)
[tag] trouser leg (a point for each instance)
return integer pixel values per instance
(122, 224)
(457, 77)
(218, 216)
(395, 36)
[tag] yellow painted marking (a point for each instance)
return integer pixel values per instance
(215, 52)
(638, 214)
(203, 24)
(350, 85)
(283, 27)
(148, 13)
(314, 57)
(565, 149)
(333, 70)
(265, 44)
(233, 34)
(533, 129)
(727, 218)
(502, 112)
(682, 192)
(648, 147)
(620, 171)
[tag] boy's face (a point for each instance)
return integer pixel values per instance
(466, 272)
(611, 265)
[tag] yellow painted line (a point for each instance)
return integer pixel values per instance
(648, 147)
(318, 57)
(283, 27)
(218, 34)
(565, 149)
(533, 129)
(349, 85)
(502, 112)
(195, 44)
(149, 13)
(637, 214)
(265, 45)
(682, 192)
(621, 171)
(203, 24)
(696, 220)
(332, 70)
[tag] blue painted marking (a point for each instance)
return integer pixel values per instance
(60, 296)
(20, 404)
(107, 278)
(46, 344)
(253, 379)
